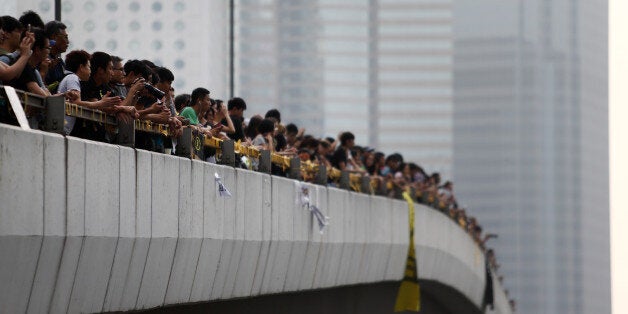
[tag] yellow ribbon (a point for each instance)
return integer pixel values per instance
(409, 295)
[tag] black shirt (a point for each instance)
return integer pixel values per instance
(340, 155)
(88, 129)
(237, 125)
(90, 91)
(28, 75)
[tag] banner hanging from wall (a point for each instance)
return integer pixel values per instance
(303, 200)
(222, 190)
(409, 295)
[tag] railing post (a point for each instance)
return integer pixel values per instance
(126, 133)
(264, 162)
(184, 143)
(228, 153)
(345, 181)
(55, 114)
(365, 184)
(381, 188)
(198, 145)
(295, 168)
(321, 175)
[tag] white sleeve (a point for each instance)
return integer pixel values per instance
(70, 82)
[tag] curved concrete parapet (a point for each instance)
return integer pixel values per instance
(92, 227)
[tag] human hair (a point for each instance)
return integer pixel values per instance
(149, 63)
(10, 24)
(395, 157)
(251, 129)
(266, 126)
(100, 60)
(310, 142)
(219, 104)
(153, 76)
(292, 129)
(324, 143)
(413, 166)
(32, 18)
(273, 113)
(181, 101)
(53, 27)
(40, 38)
(197, 94)
(164, 74)
(115, 59)
(236, 103)
(346, 137)
(75, 58)
(436, 177)
(137, 67)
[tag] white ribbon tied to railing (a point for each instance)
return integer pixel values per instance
(222, 190)
(303, 200)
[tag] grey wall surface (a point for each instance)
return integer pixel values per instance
(91, 227)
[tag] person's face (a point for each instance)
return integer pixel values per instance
(238, 112)
(370, 159)
(321, 149)
(61, 41)
(164, 86)
(104, 75)
(109, 72)
(84, 71)
(129, 78)
(39, 54)
(205, 103)
(13, 38)
(304, 156)
(118, 73)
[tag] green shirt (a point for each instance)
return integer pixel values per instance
(190, 114)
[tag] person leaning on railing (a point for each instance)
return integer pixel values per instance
(77, 64)
(199, 104)
(95, 89)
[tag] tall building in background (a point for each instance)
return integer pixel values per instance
(381, 69)
(277, 59)
(531, 145)
(414, 82)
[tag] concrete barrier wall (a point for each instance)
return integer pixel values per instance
(91, 227)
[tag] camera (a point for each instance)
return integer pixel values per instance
(154, 91)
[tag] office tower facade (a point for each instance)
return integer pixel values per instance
(381, 69)
(414, 81)
(531, 145)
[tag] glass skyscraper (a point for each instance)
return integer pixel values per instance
(531, 145)
(379, 68)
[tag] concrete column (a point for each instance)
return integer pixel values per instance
(22, 212)
(121, 269)
(164, 230)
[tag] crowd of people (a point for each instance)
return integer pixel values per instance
(31, 59)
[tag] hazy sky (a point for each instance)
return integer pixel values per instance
(618, 124)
